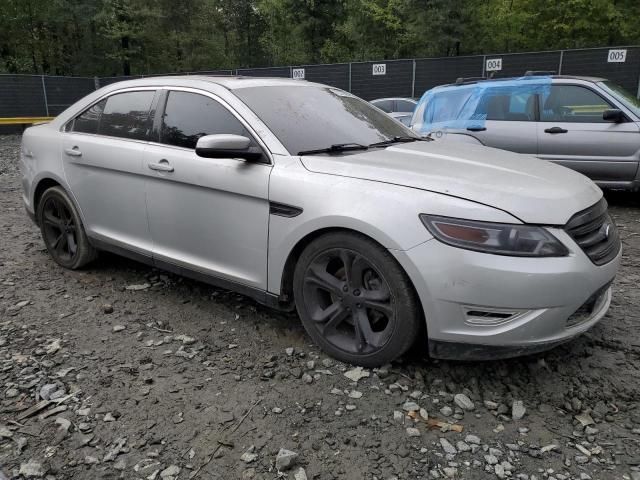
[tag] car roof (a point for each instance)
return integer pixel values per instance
(394, 98)
(229, 82)
(475, 80)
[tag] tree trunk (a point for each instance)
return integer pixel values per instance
(126, 66)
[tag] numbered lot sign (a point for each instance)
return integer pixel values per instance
(379, 69)
(298, 74)
(617, 56)
(493, 64)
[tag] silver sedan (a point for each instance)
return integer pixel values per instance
(306, 197)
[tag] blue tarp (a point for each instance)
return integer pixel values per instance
(456, 107)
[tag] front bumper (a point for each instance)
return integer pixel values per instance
(480, 306)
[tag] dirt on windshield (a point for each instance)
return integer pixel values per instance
(122, 371)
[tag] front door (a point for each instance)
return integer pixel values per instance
(208, 215)
(507, 119)
(102, 154)
(573, 133)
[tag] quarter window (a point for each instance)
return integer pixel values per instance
(128, 115)
(571, 103)
(88, 121)
(189, 116)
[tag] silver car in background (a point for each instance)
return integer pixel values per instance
(304, 196)
(588, 124)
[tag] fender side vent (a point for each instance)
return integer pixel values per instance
(283, 210)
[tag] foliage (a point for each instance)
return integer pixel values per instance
(115, 37)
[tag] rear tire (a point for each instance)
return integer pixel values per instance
(355, 300)
(62, 230)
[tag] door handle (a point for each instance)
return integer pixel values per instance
(73, 152)
(476, 129)
(161, 166)
(556, 130)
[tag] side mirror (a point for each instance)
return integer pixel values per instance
(227, 146)
(613, 115)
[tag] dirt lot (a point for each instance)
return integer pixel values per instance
(146, 375)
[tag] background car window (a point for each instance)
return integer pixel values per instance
(404, 106)
(571, 103)
(88, 121)
(384, 105)
(189, 116)
(128, 115)
(513, 104)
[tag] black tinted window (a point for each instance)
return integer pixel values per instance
(88, 121)
(570, 103)
(128, 115)
(310, 117)
(189, 116)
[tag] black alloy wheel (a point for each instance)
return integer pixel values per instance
(355, 300)
(59, 230)
(62, 229)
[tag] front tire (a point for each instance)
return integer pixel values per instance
(62, 230)
(355, 301)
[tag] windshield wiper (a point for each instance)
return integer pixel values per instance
(335, 148)
(393, 140)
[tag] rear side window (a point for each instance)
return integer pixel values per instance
(88, 121)
(189, 116)
(513, 104)
(405, 106)
(571, 103)
(384, 105)
(128, 115)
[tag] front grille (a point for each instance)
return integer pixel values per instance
(594, 231)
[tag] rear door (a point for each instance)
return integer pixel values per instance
(209, 215)
(573, 133)
(102, 152)
(509, 115)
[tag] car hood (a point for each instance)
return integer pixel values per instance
(533, 190)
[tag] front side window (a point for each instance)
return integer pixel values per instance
(310, 117)
(623, 95)
(128, 115)
(572, 103)
(89, 120)
(189, 116)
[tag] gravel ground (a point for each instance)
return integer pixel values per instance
(123, 371)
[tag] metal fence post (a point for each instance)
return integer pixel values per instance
(349, 76)
(560, 65)
(44, 93)
(96, 83)
(484, 64)
(413, 80)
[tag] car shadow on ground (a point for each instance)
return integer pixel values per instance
(622, 199)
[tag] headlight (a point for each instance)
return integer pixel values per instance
(496, 238)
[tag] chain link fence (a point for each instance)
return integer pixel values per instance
(42, 95)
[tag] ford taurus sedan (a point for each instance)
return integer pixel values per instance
(306, 197)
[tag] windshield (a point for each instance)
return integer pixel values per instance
(309, 117)
(623, 95)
